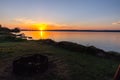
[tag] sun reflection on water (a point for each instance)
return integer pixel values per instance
(41, 34)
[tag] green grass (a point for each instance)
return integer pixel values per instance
(70, 65)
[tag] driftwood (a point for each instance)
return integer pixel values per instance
(117, 74)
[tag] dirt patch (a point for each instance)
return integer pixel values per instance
(57, 70)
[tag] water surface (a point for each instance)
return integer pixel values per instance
(109, 41)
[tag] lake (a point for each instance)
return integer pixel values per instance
(108, 41)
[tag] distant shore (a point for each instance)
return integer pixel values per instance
(76, 30)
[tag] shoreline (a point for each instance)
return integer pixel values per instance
(75, 47)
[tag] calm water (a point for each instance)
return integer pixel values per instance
(109, 41)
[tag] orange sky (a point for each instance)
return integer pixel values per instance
(25, 23)
(48, 26)
(60, 14)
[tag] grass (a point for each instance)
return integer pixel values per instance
(69, 65)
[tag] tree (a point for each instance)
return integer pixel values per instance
(0, 25)
(15, 30)
(4, 29)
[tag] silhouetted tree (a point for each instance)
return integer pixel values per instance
(0, 25)
(4, 29)
(15, 30)
(7, 34)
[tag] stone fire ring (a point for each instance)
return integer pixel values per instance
(30, 64)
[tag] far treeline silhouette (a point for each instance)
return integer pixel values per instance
(7, 34)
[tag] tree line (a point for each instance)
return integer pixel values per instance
(14, 34)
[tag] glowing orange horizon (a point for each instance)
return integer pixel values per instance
(41, 26)
(45, 26)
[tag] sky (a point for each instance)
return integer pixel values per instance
(60, 14)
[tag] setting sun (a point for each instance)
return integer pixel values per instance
(59, 39)
(41, 26)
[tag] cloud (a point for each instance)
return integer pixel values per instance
(116, 22)
(24, 20)
(50, 25)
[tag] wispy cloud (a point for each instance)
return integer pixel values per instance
(50, 25)
(116, 22)
(30, 21)
(25, 20)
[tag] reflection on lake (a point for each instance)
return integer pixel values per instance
(109, 41)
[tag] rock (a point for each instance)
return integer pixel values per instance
(95, 51)
(71, 46)
(30, 64)
(48, 41)
(101, 54)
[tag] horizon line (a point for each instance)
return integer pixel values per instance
(74, 30)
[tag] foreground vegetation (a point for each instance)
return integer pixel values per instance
(67, 60)
(68, 65)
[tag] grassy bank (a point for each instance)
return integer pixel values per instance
(68, 65)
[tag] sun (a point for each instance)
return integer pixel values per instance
(41, 26)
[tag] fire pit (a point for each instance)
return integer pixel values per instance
(30, 64)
